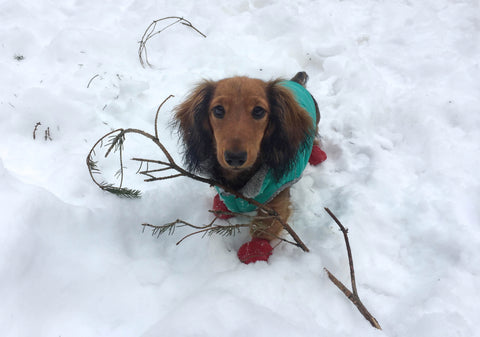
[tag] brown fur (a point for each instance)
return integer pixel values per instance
(230, 144)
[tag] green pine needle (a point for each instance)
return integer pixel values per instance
(122, 192)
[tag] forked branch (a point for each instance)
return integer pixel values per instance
(351, 295)
(152, 31)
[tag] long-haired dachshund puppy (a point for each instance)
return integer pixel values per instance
(255, 137)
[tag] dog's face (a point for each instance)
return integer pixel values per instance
(238, 115)
(238, 124)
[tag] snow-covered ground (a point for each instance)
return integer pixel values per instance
(398, 84)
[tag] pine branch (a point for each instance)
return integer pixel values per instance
(209, 229)
(122, 192)
(159, 230)
(115, 143)
(92, 166)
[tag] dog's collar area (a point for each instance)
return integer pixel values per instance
(253, 186)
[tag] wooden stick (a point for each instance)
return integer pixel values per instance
(351, 295)
(349, 251)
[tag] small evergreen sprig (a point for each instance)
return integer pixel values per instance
(122, 192)
(115, 143)
(207, 230)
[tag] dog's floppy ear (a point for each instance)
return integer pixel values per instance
(191, 120)
(288, 129)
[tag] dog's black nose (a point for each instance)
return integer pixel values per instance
(235, 159)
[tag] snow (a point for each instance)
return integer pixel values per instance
(398, 86)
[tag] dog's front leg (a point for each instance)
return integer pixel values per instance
(264, 227)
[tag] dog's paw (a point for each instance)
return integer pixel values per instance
(255, 250)
(219, 206)
(318, 155)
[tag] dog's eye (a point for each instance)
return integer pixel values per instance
(258, 112)
(218, 111)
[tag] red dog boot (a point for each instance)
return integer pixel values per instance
(219, 206)
(255, 250)
(318, 155)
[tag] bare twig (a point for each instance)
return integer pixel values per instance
(90, 82)
(47, 134)
(156, 115)
(35, 129)
(351, 295)
(151, 32)
(349, 251)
